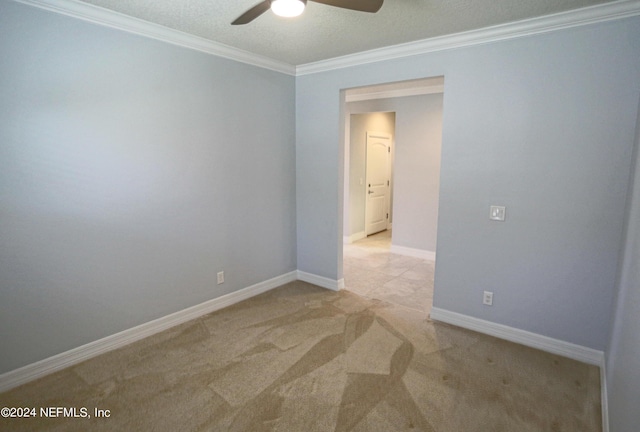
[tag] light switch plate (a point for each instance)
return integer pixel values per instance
(497, 213)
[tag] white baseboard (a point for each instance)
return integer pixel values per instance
(604, 396)
(544, 343)
(533, 340)
(60, 361)
(332, 284)
(416, 253)
(354, 237)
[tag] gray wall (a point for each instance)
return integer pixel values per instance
(623, 359)
(416, 180)
(541, 124)
(361, 124)
(131, 171)
(417, 174)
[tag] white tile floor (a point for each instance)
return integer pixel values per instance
(371, 270)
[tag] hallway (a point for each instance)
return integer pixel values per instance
(372, 271)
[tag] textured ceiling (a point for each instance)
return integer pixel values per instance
(324, 32)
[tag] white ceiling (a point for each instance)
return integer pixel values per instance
(323, 32)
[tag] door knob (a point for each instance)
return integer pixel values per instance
(370, 192)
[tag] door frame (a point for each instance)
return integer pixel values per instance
(372, 91)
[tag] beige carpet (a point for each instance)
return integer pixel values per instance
(301, 358)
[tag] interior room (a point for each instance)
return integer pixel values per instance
(184, 229)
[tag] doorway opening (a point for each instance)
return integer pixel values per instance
(389, 252)
(370, 174)
(378, 168)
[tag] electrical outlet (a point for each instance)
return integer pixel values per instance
(220, 277)
(487, 298)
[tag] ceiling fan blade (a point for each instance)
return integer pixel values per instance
(253, 13)
(357, 5)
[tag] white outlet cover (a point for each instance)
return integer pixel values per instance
(487, 298)
(497, 213)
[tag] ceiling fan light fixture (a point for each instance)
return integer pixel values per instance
(287, 8)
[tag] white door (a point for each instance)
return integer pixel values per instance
(377, 184)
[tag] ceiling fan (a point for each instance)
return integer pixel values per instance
(291, 8)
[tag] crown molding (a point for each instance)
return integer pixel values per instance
(563, 20)
(116, 20)
(574, 18)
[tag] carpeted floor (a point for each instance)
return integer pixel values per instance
(302, 358)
